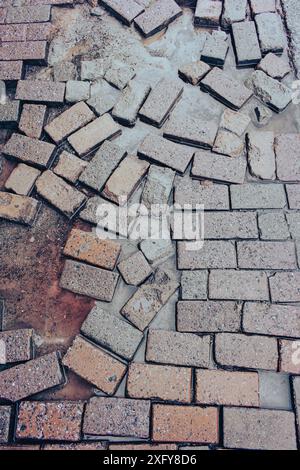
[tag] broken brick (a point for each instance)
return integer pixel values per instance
(218, 167)
(193, 72)
(124, 10)
(190, 131)
(288, 356)
(127, 107)
(157, 17)
(273, 93)
(208, 13)
(17, 208)
(261, 155)
(5, 416)
(135, 269)
(274, 66)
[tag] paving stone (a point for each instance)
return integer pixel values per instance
(124, 10)
(94, 365)
(273, 226)
(193, 72)
(238, 285)
(258, 429)
(183, 349)
(89, 281)
(288, 157)
(194, 285)
(185, 424)
(257, 6)
(218, 167)
(213, 254)
(261, 154)
(293, 193)
(28, 14)
(69, 167)
(40, 91)
(275, 391)
(208, 13)
(147, 447)
(190, 131)
(64, 71)
(231, 225)
(103, 97)
(117, 417)
(119, 74)
(247, 48)
(159, 382)
(289, 357)
(22, 179)
(274, 94)
(258, 196)
(79, 446)
(270, 32)
(158, 186)
(25, 32)
(94, 213)
(249, 352)
(32, 120)
(9, 113)
(77, 91)
(102, 165)
(229, 91)
(296, 393)
(11, 70)
(30, 378)
(51, 421)
(293, 220)
(92, 69)
(208, 317)
(215, 48)
(110, 331)
(33, 51)
(233, 11)
(19, 447)
(128, 106)
(69, 121)
(262, 116)
(218, 387)
(285, 287)
(274, 66)
(92, 135)
(3, 13)
(135, 269)
(29, 150)
(234, 122)
(266, 255)
(161, 101)
(125, 180)
(157, 251)
(149, 299)
(18, 345)
(157, 17)
(17, 208)
(5, 416)
(229, 144)
(193, 193)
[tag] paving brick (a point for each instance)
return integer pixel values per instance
(234, 122)
(161, 101)
(293, 193)
(93, 213)
(258, 429)
(217, 387)
(94, 365)
(231, 225)
(28, 14)
(5, 415)
(29, 150)
(148, 447)
(117, 417)
(182, 349)
(103, 97)
(79, 446)
(274, 66)
(257, 6)
(125, 10)
(40, 91)
(229, 91)
(157, 251)
(157, 17)
(159, 382)
(110, 331)
(11, 70)
(92, 69)
(31, 51)
(190, 192)
(30, 378)
(288, 357)
(246, 44)
(127, 107)
(273, 226)
(17, 208)
(261, 155)
(77, 91)
(218, 167)
(64, 71)
(266, 255)
(285, 287)
(293, 220)
(158, 186)
(18, 345)
(214, 254)
(273, 93)
(258, 196)
(288, 157)
(208, 13)
(87, 280)
(135, 269)
(270, 32)
(9, 113)
(119, 74)
(149, 299)
(193, 72)
(233, 11)
(32, 120)
(215, 48)
(69, 166)
(229, 144)
(190, 131)
(185, 424)
(238, 285)
(51, 421)
(19, 447)
(208, 317)
(92, 135)
(69, 121)
(194, 285)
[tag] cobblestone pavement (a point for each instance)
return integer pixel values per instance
(147, 344)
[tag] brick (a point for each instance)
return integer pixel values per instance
(246, 44)
(77, 91)
(273, 93)
(185, 424)
(270, 32)
(159, 382)
(293, 193)
(149, 299)
(19, 447)
(258, 196)
(157, 251)
(93, 213)
(212, 196)
(273, 226)
(258, 429)
(135, 269)
(11, 70)
(166, 153)
(293, 220)
(218, 167)
(235, 122)
(296, 395)
(127, 107)
(18, 345)
(3, 13)
(234, 11)
(288, 157)
(92, 69)
(288, 357)
(238, 285)
(124, 10)
(147, 447)
(257, 6)
(158, 186)
(51, 421)
(217, 387)
(77, 446)
(266, 255)
(112, 332)
(33, 51)
(94, 365)
(190, 131)
(40, 91)
(17, 208)
(31, 378)
(193, 72)
(231, 225)
(69, 167)
(229, 144)
(87, 280)
(9, 113)
(194, 285)
(215, 48)
(64, 71)
(182, 349)
(157, 17)
(208, 317)
(274, 66)
(160, 102)
(59, 193)
(29, 14)
(69, 121)
(103, 97)
(213, 254)
(285, 287)
(29, 150)
(208, 13)
(25, 32)
(32, 120)
(119, 74)
(5, 416)
(117, 417)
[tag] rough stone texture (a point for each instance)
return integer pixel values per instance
(273, 226)
(77, 91)
(213, 254)
(5, 415)
(193, 193)
(274, 94)
(293, 220)
(208, 317)
(296, 392)
(69, 167)
(208, 13)
(257, 6)
(9, 113)
(249, 352)
(92, 69)
(293, 193)
(17, 208)
(190, 131)
(29, 150)
(93, 213)
(270, 32)
(234, 122)
(64, 71)
(56, 420)
(261, 116)
(218, 167)
(23, 32)
(40, 91)
(185, 423)
(233, 11)
(157, 251)
(159, 382)
(183, 349)
(135, 269)
(158, 186)
(30, 378)
(28, 14)
(33, 51)
(94, 365)
(11, 70)
(231, 225)
(258, 196)
(127, 107)
(238, 285)
(258, 429)
(229, 144)
(274, 66)
(103, 97)
(18, 345)
(124, 10)
(77, 446)
(22, 179)
(261, 154)
(291, 10)
(157, 17)
(285, 287)
(246, 44)
(194, 285)
(217, 387)
(193, 72)
(117, 417)
(215, 48)
(32, 120)
(149, 299)
(110, 331)
(288, 157)
(266, 255)
(119, 75)
(144, 447)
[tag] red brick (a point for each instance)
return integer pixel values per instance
(13, 32)
(289, 356)
(18, 345)
(38, 32)
(11, 70)
(76, 446)
(40, 91)
(33, 51)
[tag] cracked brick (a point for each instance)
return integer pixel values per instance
(273, 93)
(235, 122)
(273, 226)
(158, 186)
(274, 66)
(103, 97)
(193, 72)
(229, 144)
(261, 154)
(124, 10)
(157, 17)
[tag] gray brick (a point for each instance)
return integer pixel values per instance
(215, 48)
(64, 71)
(293, 220)
(39, 91)
(296, 394)
(273, 226)
(266, 255)
(193, 72)
(157, 17)
(17, 208)
(29, 150)
(157, 251)
(119, 74)
(233, 11)
(230, 225)
(257, 6)
(28, 14)
(261, 155)
(208, 13)
(287, 149)
(130, 102)
(9, 113)
(92, 69)
(77, 91)
(293, 193)
(229, 144)
(135, 269)
(5, 416)
(236, 122)
(190, 192)
(273, 93)
(22, 179)
(190, 131)
(270, 32)
(218, 167)
(194, 285)
(258, 196)
(285, 287)
(238, 285)
(124, 10)
(246, 44)
(103, 97)
(274, 66)
(214, 254)
(158, 186)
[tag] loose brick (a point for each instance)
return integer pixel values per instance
(238, 285)
(182, 349)
(214, 254)
(194, 285)
(17, 208)
(110, 331)
(289, 357)
(258, 196)
(190, 131)
(159, 382)
(135, 269)
(119, 74)
(293, 193)
(261, 155)
(266, 255)
(235, 122)
(5, 415)
(30, 378)
(285, 287)
(229, 144)
(158, 186)
(31, 51)
(18, 345)
(230, 225)
(218, 167)
(147, 447)
(296, 392)
(77, 91)
(273, 93)
(92, 69)
(208, 317)
(273, 226)
(11, 70)
(288, 157)
(233, 11)
(29, 150)
(29, 14)
(103, 97)
(185, 424)
(193, 193)
(87, 280)
(127, 107)
(9, 113)
(193, 72)
(217, 387)
(270, 32)
(32, 120)
(257, 6)
(274, 66)
(69, 167)
(117, 417)
(51, 421)
(124, 10)
(258, 429)
(64, 71)
(246, 44)
(157, 251)
(215, 48)
(77, 446)
(157, 17)
(40, 91)
(95, 365)
(208, 13)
